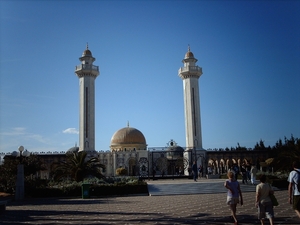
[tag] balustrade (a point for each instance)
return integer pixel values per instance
(190, 68)
(87, 67)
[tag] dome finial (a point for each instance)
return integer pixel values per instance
(87, 52)
(127, 123)
(189, 54)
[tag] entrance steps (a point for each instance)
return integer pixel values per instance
(190, 187)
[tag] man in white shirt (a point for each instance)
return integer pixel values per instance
(294, 184)
(253, 172)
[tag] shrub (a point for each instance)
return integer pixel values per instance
(118, 189)
(277, 179)
(98, 187)
(121, 172)
(55, 189)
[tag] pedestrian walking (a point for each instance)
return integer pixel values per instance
(294, 187)
(263, 201)
(177, 171)
(236, 171)
(195, 171)
(233, 194)
(180, 171)
(244, 175)
(232, 170)
(153, 174)
(248, 169)
(200, 170)
(253, 172)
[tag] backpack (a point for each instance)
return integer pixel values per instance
(298, 185)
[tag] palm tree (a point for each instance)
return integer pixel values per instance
(77, 167)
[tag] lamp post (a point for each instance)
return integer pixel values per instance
(19, 195)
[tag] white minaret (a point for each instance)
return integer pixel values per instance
(87, 74)
(190, 74)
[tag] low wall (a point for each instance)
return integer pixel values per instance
(211, 176)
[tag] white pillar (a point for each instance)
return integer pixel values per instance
(190, 74)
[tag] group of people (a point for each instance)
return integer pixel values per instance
(263, 191)
(248, 173)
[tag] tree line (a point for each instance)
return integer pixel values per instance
(281, 155)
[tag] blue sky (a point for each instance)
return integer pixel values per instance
(249, 52)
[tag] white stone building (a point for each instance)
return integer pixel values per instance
(128, 147)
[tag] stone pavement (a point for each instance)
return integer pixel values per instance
(208, 208)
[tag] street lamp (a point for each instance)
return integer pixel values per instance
(21, 149)
(19, 195)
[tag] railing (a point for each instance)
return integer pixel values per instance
(87, 67)
(190, 68)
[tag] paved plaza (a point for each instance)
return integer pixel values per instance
(200, 208)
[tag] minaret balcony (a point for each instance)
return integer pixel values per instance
(86, 67)
(191, 69)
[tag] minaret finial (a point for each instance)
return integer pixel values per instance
(127, 123)
(87, 46)
(189, 49)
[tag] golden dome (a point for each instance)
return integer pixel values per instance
(189, 54)
(128, 135)
(86, 53)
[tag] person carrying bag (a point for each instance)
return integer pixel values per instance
(272, 197)
(263, 201)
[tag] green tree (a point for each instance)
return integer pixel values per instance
(240, 148)
(260, 146)
(285, 153)
(77, 167)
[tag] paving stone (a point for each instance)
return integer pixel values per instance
(186, 208)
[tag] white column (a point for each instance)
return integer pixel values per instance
(87, 73)
(190, 74)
